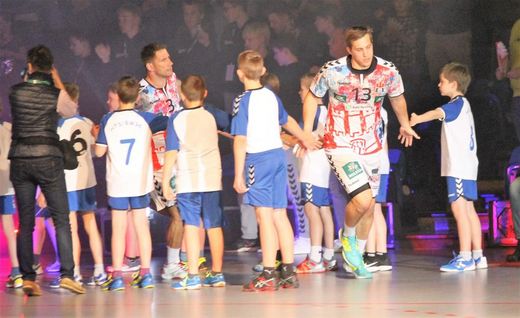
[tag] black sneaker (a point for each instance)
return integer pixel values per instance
(244, 245)
(371, 262)
(384, 262)
(515, 257)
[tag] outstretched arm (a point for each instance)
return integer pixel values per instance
(437, 113)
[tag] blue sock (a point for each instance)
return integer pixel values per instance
(184, 257)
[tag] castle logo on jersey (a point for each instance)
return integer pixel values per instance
(352, 169)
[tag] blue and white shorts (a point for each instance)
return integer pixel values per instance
(383, 189)
(316, 195)
(82, 200)
(461, 188)
(266, 178)
(7, 205)
(129, 203)
(201, 205)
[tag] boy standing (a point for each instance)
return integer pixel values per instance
(192, 145)
(125, 135)
(459, 164)
(258, 115)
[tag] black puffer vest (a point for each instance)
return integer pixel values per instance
(34, 114)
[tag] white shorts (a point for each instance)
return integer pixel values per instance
(356, 173)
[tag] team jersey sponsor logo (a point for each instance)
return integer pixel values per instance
(352, 169)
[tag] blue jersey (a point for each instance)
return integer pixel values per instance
(127, 135)
(258, 115)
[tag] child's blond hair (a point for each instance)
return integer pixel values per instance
(459, 73)
(251, 63)
(193, 88)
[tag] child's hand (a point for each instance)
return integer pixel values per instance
(413, 119)
(310, 142)
(168, 193)
(240, 185)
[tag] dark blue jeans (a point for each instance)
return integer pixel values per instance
(47, 172)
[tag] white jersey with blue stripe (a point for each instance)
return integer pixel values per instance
(77, 129)
(258, 115)
(458, 140)
(315, 167)
(193, 133)
(127, 135)
(6, 188)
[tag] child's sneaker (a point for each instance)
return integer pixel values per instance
(145, 281)
(244, 245)
(97, 280)
(188, 283)
(113, 284)
(384, 262)
(261, 283)
(260, 267)
(308, 266)
(371, 263)
(458, 264)
(173, 270)
(290, 281)
(330, 265)
(203, 268)
(55, 282)
(481, 262)
(38, 269)
(53, 268)
(352, 257)
(214, 280)
(14, 281)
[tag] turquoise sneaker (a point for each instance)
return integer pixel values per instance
(216, 280)
(188, 283)
(353, 257)
(458, 264)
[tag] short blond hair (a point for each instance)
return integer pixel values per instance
(251, 63)
(357, 32)
(459, 73)
(271, 81)
(193, 88)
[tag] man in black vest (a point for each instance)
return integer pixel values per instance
(36, 160)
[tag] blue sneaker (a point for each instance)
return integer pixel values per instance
(55, 283)
(188, 283)
(97, 280)
(145, 281)
(216, 280)
(458, 264)
(114, 284)
(353, 257)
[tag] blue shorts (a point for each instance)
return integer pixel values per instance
(7, 205)
(316, 195)
(266, 178)
(127, 203)
(82, 200)
(461, 188)
(383, 189)
(197, 205)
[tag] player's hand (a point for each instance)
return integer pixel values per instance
(240, 185)
(168, 193)
(413, 119)
(407, 135)
(40, 200)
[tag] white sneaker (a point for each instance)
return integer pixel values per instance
(173, 270)
(481, 262)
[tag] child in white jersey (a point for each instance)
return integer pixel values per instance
(459, 163)
(314, 179)
(192, 146)
(125, 135)
(81, 189)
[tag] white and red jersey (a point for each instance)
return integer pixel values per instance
(355, 101)
(164, 100)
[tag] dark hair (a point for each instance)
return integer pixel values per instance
(127, 89)
(193, 88)
(40, 58)
(285, 42)
(130, 7)
(148, 52)
(72, 89)
(330, 13)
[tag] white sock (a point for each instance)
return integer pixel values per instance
(465, 255)
(99, 269)
(173, 255)
(348, 231)
(315, 255)
(328, 253)
(76, 271)
(477, 253)
(361, 245)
